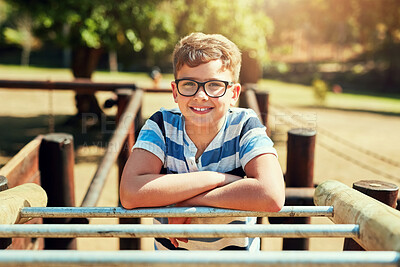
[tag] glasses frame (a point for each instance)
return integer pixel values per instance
(202, 84)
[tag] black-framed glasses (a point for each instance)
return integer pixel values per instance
(212, 88)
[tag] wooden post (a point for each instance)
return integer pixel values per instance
(123, 99)
(56, 164)
(299, 173)
(382, 191)
(4, 242)
(379, 224)
(263, 102)
(300, 158)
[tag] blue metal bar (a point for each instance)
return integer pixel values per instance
(12, 258)
(179, 230)
(114, 212)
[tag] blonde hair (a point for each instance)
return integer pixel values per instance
(199, 48)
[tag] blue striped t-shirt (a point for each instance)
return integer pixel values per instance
(242, 138)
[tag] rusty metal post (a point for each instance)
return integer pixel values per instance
(4, 242)
(299, 173)
(123, 99)
(56, 165)
(382, 191)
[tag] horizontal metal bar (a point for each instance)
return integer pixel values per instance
(12, 258)
(175, 230)
(117, 212)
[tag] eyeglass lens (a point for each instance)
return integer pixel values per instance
(212, 88)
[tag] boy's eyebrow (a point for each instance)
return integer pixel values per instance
(196, 79)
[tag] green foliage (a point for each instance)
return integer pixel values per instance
(242, 21)
(4, 10)
(320, 89)
(151, 27)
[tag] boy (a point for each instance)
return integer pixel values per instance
(206, 153)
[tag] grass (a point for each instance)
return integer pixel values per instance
(302, 96)
(281, 93)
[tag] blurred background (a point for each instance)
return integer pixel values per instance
(329, 65)
(354, 43)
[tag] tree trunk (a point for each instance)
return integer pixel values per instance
(84, 62)
(113, 61)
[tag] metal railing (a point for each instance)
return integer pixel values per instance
(197, 258)
(385, 236)
(118, 212)
(173, 230)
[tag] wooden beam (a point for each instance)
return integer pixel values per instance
(24, 166)
(14, 199)
(379, 223)
(81, 85)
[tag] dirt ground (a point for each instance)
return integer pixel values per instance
(333, 158)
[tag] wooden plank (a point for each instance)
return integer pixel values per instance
(79, 85)
(14, 199)
(379, 223)
(24, 166)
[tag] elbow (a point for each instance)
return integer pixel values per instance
(274, 203)
(126, 201)
(127, 197)
(275, 206)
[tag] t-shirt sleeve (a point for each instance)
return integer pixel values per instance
(151, 136)
(254, 141)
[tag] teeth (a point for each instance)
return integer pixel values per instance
(200, 109)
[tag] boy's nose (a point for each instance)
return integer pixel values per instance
(201, 93)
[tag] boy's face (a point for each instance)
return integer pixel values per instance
(201, 110)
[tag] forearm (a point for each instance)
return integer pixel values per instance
(245, 194)
(152, 190)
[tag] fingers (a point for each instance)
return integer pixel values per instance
(174, 242)
(181, 220)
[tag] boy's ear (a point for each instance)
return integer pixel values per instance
(237, 88)
(174, 91)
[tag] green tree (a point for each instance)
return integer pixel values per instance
(242, 21)
(370, 27)
(22, 35)
(151, 27)
(89, 28)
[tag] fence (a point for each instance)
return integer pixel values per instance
(57, 150)
(128, 108)
(373, 224)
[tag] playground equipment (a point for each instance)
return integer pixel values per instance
(372, 224)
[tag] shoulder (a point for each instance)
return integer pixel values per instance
(171, 116)
(237, 115)
(244, 118)
(165, 114)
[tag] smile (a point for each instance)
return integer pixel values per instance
(200, 109)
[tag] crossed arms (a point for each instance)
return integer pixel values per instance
(143, 186)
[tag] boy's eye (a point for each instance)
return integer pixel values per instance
(188, 83)
(214, 85)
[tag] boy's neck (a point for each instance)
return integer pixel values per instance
(202, 136)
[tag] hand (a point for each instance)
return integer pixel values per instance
(178, 220)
